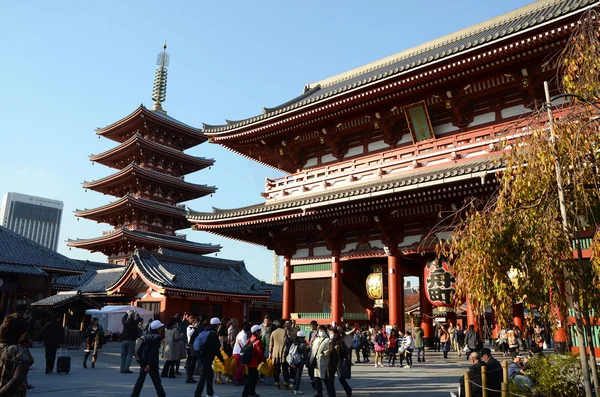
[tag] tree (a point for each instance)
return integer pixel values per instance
(519, 245)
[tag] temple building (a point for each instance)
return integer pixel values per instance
(376, 158)
(153, 266)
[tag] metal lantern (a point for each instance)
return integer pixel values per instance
(375, 287)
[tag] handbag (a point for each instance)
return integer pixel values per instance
(344, 368)
(313, 359)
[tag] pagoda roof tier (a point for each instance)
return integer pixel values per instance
(129, 151)
(435, 53)
(127, 179)
(123, 129)
(123, 238)
(172, 272)
(129, 203)
(309, 204)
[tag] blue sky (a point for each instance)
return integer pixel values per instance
(71, 66)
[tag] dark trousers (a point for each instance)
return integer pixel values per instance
(298, 376)
(168, 369)
(251, 381)
(319, 384)
(331, 384)
(357, 354)
(190, 366)
(282, 367)
(50, 357)
(160, 392)
(408, 355)
(206, 376)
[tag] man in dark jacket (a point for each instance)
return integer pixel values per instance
(471, 339)
(474, 376)
(494, 372)
(53, 335)
(150, 365)
(209, 349)
(131, 332)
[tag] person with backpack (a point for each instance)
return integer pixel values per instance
(147, 355)
(192, 333)
(339, 363)
(206, 347)
(297, 358)
(254, 349)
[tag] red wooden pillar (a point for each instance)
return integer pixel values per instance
(496, 328)
(426, 312)
(471, 317)
(394, 300)
(518, 315)
(287, 288)
(337, 311)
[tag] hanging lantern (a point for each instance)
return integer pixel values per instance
(374, 285)
(440, 283)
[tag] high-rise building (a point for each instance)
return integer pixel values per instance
(35, 218)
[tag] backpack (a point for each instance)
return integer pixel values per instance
(293, 357)
(142, 347)
(200, 341)
(246, 353)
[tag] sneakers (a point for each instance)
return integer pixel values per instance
(407, 366)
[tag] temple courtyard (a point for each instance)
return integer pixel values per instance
(436, 377)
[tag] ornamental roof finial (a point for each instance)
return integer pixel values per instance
(159, 92)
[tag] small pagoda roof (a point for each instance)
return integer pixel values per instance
(177, 272)
(293, 207)
(135, 202)
(137, 141)
(141, 113)
(19, 255)
(143, 238)
(134, 171)
(439, 51)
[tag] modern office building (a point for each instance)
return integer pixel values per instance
(35, 218)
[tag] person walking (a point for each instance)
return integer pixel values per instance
(53, 336)
(131, 332)
(94, 340)
(392, 348)
(149, 364)
(445, 340)
(379, 342)
(278, 345)
(182, 323)
(258, 357)
(460, 340)
(312, 335)
(409, 347)
(171, 350)
(418, 341)
(320, 357)
(192, 333)
(301, 359)
(240, 341)
(471, 340)
(15, 359)
(338, 352)
(210, 347)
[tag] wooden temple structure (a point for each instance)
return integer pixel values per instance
(377, 155)
(161, 270)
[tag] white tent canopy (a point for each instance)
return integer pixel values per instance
(110, 317)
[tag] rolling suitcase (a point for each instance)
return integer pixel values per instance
(63, 363)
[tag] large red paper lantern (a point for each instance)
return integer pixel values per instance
(440, 283)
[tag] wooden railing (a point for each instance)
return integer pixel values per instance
(453, 147)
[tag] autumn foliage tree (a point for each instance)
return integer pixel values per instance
(519, 246)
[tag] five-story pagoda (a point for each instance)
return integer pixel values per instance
(150, 182)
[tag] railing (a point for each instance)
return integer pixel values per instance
(317, 267)
(316, 316)
(404, 158)
(356, 316)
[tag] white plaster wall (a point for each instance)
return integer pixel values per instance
(443, 128)
(514, 111)
(483, 118)
(318, 251)
(301, 253)
(377, 145)
(355, 151)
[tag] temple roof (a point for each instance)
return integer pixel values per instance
(536, 14)
(144, 239)
(134, 171)
(137, 141)
(91, 269)
(134, 202)
(20, 255)
(395, 183)
(67, 297)
(100, 280)
(181, 272)
(141, 113)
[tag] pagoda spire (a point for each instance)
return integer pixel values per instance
(159, 92)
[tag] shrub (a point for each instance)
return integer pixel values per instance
(556, 375)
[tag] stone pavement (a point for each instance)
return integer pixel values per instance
(434, 378)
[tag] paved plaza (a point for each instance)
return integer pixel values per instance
(436, 377)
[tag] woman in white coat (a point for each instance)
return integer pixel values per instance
(320, 351)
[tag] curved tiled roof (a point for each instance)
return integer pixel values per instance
(411, 179)
(64, 297)
(176, 210)
(91, 268)
(477, 36)
(196, 273)
(18, 250)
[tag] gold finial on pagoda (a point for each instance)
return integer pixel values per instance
(159, 92)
